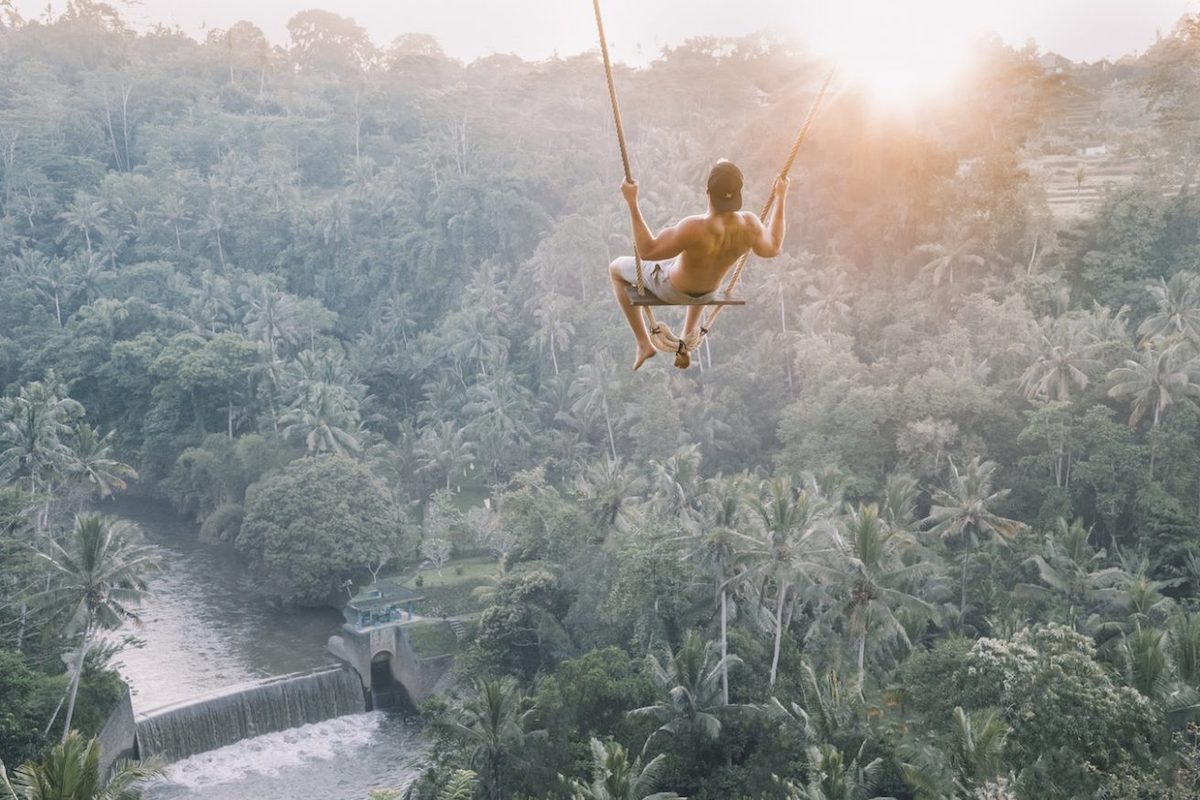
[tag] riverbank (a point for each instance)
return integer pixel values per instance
(206, 630)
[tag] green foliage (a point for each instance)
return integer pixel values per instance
(317, 522)
(521, 631)
(27, 698)
(1062, 707)
(394, 282)
(71, 771)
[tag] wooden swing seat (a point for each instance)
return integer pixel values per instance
(721, 298)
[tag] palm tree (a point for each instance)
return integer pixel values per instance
(71, 771)
(899, 508)
(101, 573)
(444, 448)
(959, 250)
(51, 278)
(1066, 352)
(779, 275)
(793, 528)
(830, 777)
(270, 315)
(1185, 647)
(491, 727)
(90, 461)
(325, 419)
(591, 390)
(689, 682)
(1178, 314)
(84, 274)
(827, 712)
(676, 482)
(607, 486)
(872, 573)
(84, 215)
(1070, 571)
(963, 511)
(211, 304)
(1156, 381)
(971, 758)
(616, 777)
(462, 785)
(33, 428)
(555, 328)
(173, 211)
(827, 300)
(715, 544)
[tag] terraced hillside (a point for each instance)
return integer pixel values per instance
(1098, 160)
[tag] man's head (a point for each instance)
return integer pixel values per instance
(725, 186)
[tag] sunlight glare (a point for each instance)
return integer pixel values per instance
(901, 50)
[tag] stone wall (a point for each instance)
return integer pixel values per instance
(118, 737)
(419, 676)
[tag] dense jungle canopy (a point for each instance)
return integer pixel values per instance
(935, 490)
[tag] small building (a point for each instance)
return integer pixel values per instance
(383, 602)
(1054, 64)
(759, 97)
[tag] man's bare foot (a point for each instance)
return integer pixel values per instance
(643, 354)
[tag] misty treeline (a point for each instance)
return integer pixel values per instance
(920, 522)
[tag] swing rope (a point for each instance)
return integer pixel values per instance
(660, 335)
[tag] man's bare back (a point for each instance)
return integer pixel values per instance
(712, 243)
(703, 247)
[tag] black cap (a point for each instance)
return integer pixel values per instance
(725, 186)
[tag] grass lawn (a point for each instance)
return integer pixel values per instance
(431, 639)
(449, 590)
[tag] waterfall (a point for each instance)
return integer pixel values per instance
(196, 726)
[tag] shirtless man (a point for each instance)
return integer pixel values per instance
(688, 261)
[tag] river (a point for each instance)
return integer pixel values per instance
(205, 629)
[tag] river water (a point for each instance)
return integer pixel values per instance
(205, 629)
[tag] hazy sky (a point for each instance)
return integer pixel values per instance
(534, 29)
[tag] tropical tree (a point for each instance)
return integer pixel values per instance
(325, 420)
(964, 512)
(491, 727)
(827, 301)
(71, 771)
(554, 326)
(1178, 314)
(607, 486)
(616, 777)
(966, 760)
(1185, 647)
(270, 315)
(959, 250)
(85, 215)
(1064, 353)
(832, 777)
(89, 460)
(715, 545)
(462, 785)
(793, 530)
(1156, 381)
(873, 575)
(51, 278)
(592, 389)
(100, 577)
(444, 449)
(1070, 571)
(689, 684)
(33, 428)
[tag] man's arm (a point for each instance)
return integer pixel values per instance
(669, 243)
(770, 237)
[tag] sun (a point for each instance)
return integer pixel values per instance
(901, 51)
